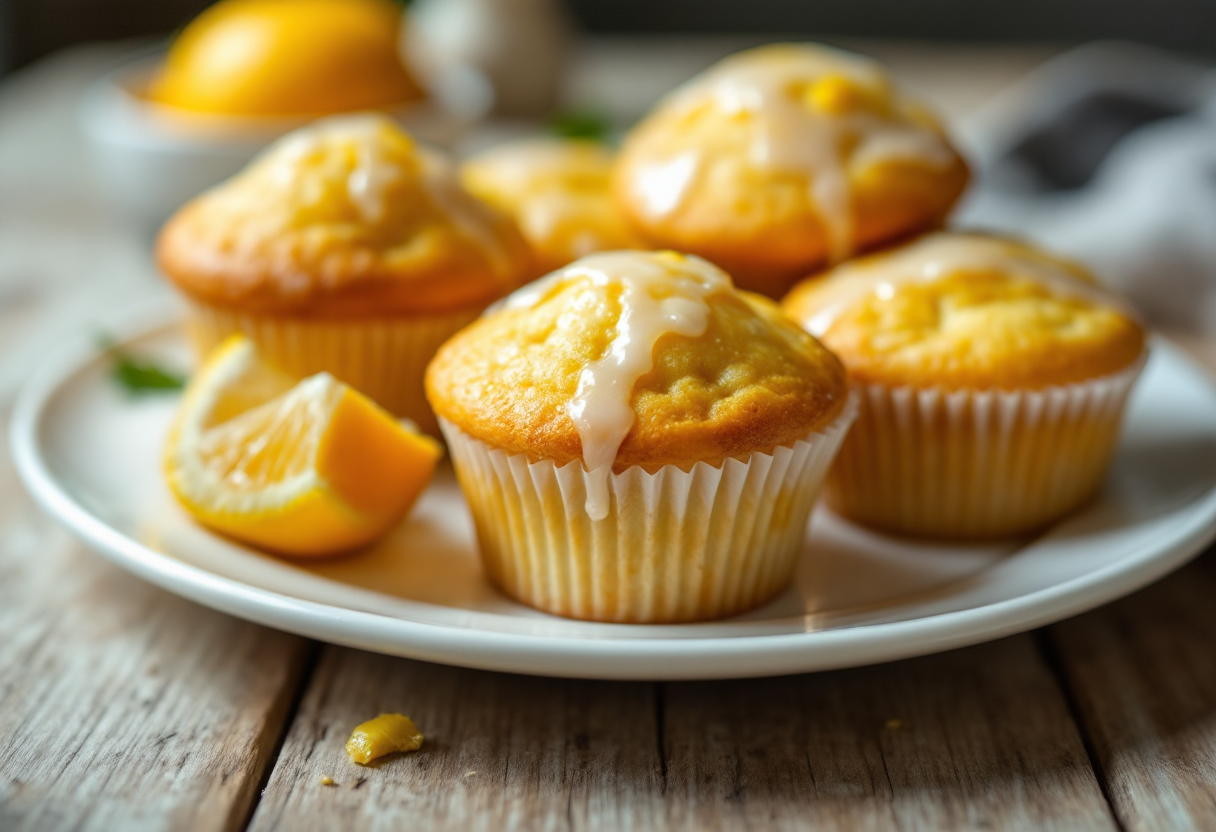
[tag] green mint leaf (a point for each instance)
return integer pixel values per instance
(138, 376)
(581, 124)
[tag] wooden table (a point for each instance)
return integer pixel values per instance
(123, 707)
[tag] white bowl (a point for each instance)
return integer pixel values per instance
(150, 158)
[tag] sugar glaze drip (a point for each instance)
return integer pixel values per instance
(373, 172)
(378, 168)
(938, 256)
(659, 294)
(790, 136)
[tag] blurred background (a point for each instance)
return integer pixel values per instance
(30, 29)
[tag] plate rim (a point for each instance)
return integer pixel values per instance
(651, 658)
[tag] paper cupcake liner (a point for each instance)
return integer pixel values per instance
(975, 464)
(383, 359)
(676, 545)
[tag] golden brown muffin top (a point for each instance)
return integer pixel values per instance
(346, 218)
(968, 311)
(636, 358)
(781, 158)
(558, 192)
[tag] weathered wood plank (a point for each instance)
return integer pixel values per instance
(1143, 675)
(502, 752)
(974, 739)
(980, 738)
(121, 706)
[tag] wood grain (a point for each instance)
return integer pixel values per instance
(1143, 676)
(980, 738)
(123, 707)
(974, 739)
(502, 752)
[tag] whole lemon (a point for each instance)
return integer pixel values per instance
(287, 58)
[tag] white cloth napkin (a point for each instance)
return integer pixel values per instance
(1108, 153)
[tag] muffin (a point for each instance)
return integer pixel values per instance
(558, 192)
(638, 440)
(344, 248)
(781, 159)
(993, 378)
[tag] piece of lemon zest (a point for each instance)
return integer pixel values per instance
(386, 734)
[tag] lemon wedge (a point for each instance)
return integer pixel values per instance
(304, 469)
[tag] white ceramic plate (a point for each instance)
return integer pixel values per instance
(90, 455)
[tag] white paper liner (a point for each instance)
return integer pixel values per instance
(676, 545)
(384, 359)
(975, 464)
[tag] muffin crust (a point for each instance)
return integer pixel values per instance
(558, 192)
(348, 218)
(783, 158)
(968, 311)
(750, 381)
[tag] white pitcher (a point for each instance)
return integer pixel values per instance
(514, 49)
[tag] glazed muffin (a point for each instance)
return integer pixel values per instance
(638, 440)
(781, 159)
(344, 248)
(993, 378)
(558, 192)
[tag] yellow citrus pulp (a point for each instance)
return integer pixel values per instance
(305, 469)
(386, 734)
(287, 58)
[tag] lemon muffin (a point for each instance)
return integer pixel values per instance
(344, 248)
(993, 378)
(638, 440)
(558, 192)
(282, 58)
(781, 159)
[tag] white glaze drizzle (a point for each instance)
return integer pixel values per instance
(369, 182)
(374, 173)
(662, 186)
(657, 296)
(542, 215)
(938, 256)
(791, 137)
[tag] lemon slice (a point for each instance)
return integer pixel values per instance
(305, 469)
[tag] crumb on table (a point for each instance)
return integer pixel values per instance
(386, 734)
